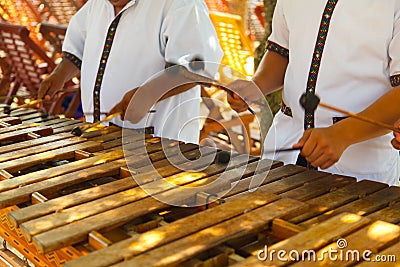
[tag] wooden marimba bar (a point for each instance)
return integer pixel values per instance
(68, 200)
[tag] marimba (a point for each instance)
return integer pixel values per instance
(72, 201)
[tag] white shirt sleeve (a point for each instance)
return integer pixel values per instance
(394, 49)
(280, 31)
(74, 41)
(187, 33)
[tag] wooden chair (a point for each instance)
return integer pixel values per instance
(238, 50)
(20, 13)
(29, 65)
(256, 23)
(61, 10)
(54, 34)
(218, 5)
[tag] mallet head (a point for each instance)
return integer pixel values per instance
(223, 157)
(309, 101)
(7, 109)
(77, 131)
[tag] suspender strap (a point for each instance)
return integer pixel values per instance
(102, 66)
(317, 56)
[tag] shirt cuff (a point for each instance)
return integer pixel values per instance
(395, 80)
(274, 47)
(74, 59)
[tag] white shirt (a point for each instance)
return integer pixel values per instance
(362, 52)
(150, 33)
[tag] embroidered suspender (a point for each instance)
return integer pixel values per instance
(103, 62)
(317, 56)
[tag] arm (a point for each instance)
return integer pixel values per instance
(268, 78)
(324, 146)
(64, 71)
(145, 98)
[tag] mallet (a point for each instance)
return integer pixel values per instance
(79, 130)
(310, 101)
(8, 109)
(197, 64)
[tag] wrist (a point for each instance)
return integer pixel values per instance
(347, 135)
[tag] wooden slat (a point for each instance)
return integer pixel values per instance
(311, 239)
(67, 128)
(281, 229)
(107, 137)
(76, 232)
(17, 127)
(41, 175)
(40, 148)
(187, 247)
(391, 255)
(11, 120)
(319, 187)
(58, 204)
(210, 170)
(273, 175)
(390, 214)
(32, 212)
(100, 132)
(373, 237)
(51, 185)
(31, 116)
(62, 123)
(22, 133)
(9, 257)
(13, 166)
(141, 243)
(22, 111)
(42, 120)
(289, 182)
(72, 214)
(338, 198)
(363, 206)
(54, 121)
(5, 175)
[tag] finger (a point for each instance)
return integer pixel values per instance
(307, 145)
(303, 139)
(327, 164)
(395, 144)
(317, 161)
(43, 89)
(315, 155)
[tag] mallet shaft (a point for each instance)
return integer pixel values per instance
(360, 117)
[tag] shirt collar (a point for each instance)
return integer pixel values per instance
(128, 5)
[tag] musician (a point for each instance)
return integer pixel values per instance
(349, 55)
(119, 44)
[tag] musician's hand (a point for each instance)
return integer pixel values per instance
(49, 86)
(396, 139)
(122, 107)
(322, 147)
(243, 94)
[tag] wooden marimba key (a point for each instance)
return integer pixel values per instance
(72, 200)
